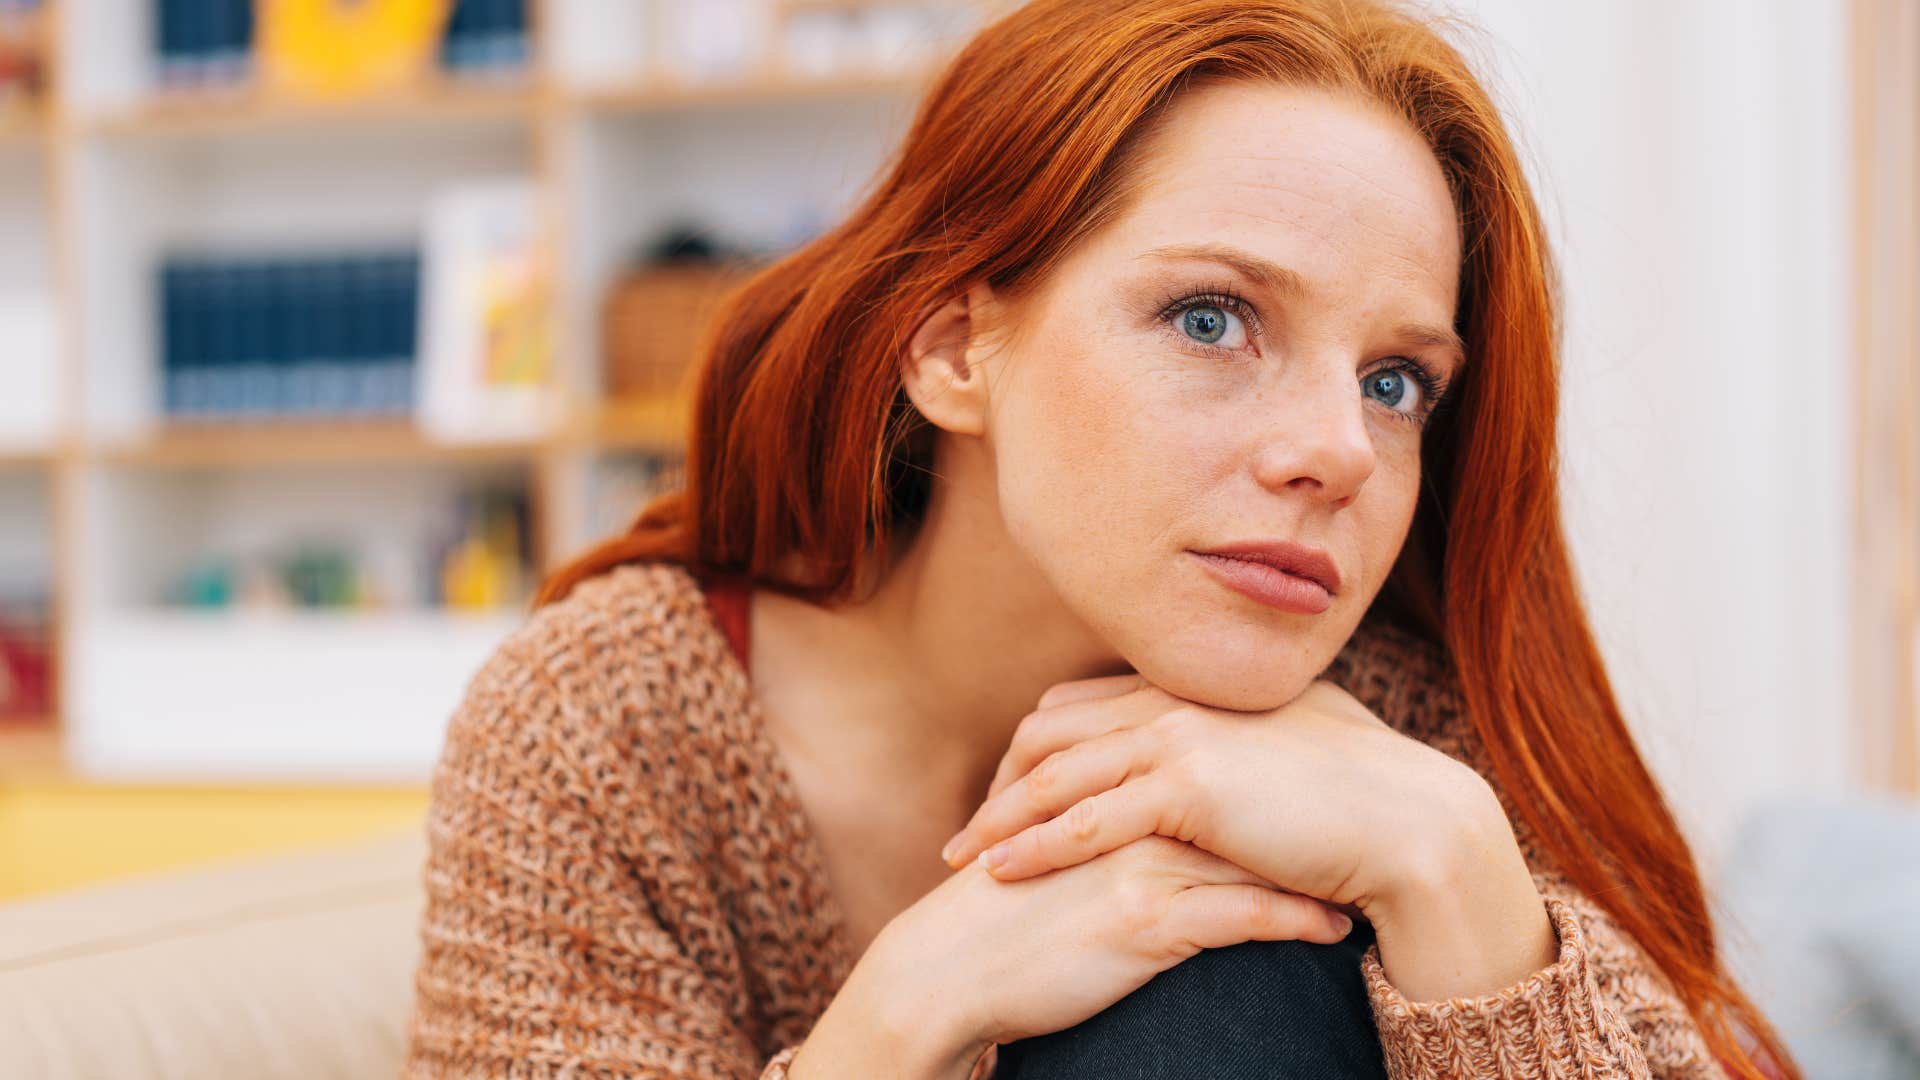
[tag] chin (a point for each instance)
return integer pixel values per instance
(1244, 680)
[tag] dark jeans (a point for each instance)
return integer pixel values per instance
(1266, 1009)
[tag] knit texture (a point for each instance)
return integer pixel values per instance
(621, 881)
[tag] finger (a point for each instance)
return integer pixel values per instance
(1046, 732)
(1053, 786)
(1091, 827)
(1215, 916)
(1067, 693)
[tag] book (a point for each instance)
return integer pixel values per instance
(486, 369)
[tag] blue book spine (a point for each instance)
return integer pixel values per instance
(168, 24)
(223, 311)
(200, 36)
(384, 306)
(250, 313)
(513, 43)
(238, 47)
(172, 317)
(277, 276)
(456, 42)
(363, 318)
(390, 285)
(329, 372)
(296, 373)
(408, 320)
(197, 334)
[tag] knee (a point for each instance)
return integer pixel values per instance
(1255, 980)
(1261, 1008)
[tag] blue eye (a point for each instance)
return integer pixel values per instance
(1211, 324)
(1390, 387)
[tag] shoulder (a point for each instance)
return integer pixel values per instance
(621, 673)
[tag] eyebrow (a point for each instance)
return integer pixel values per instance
(1290, 284)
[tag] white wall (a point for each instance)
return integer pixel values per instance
(1693, 162)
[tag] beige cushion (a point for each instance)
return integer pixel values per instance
(292, 966)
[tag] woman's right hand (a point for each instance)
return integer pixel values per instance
(978, 961)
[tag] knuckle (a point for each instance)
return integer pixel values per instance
(1043, 777)
(1257, 914)
(1182, 821)
(1029, 726)
(1138, 906)
(1081, 823)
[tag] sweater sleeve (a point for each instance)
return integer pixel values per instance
(1601, 1009)
(541, 955)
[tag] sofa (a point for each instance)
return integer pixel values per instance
(290, 967)
(299, 967)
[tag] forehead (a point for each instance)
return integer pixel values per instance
(1331, 186)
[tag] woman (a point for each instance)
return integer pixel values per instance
(1152, 481)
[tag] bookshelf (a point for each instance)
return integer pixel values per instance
(110, 502)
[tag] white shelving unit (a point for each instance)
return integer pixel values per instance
(112, 502)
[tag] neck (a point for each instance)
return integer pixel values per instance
(927, 676)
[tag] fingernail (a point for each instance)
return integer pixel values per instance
(1342, 924)
(946, 853)
(995, 858)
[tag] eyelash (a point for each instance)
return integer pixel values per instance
(1433, 388)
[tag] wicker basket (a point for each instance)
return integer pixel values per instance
(653, 322)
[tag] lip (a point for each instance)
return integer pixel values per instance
(1279, 573)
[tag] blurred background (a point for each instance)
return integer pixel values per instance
(325, 326)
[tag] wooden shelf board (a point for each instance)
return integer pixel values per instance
(292, 443)
(241, 110)
(653, 424)
(665, 94)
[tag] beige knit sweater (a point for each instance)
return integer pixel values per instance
(621, 881)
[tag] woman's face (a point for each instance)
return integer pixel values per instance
(1247, 355)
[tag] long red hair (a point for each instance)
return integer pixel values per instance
(805, 454)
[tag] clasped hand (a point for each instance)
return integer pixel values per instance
(1319, 796)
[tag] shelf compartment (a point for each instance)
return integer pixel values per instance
(321, 696)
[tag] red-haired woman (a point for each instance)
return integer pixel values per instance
(1151, 487)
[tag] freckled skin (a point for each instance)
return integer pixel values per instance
(1119, 442)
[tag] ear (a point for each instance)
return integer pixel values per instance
(942, 370)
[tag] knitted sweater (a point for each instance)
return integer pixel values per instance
(621, 881)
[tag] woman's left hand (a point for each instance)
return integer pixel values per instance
(1319, 797)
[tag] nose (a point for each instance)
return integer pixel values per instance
(1314, 436)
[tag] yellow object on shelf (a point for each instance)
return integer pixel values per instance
(474, 578)
(343, 48)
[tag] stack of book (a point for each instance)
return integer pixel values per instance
(307, 337)
(485, 36)
(201, 43)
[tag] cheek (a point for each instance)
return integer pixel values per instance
(1089, 452)
(1386, 510)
